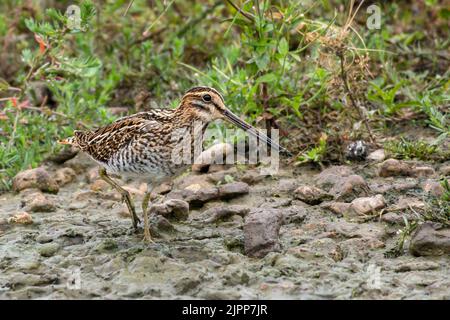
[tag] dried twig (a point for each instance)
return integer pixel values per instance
(146, 32)
(247, 15)
(340, 54)
(128, 8)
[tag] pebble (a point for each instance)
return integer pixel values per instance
(232, 190)
(331, 176)
(100, 185)
(48, 249)
(172, 209)
(422, 171)
(222, 212)
(377, 155)
(368, 205)
(445, 170)
(358, 207)
(350, 188)
(430, 240)
(38, 202)
(35, 178)
(64, 176)
(261, 229)
(21, 218)
(433, 188)
(393, 167)
(311, 195)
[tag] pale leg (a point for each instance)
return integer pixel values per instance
(145, 201)
(125, 195)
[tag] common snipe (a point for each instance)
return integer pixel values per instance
(144, 143)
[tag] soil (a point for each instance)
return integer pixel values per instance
(84, 247)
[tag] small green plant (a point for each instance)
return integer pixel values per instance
(315, 154)
(29, 132)
(437, 120)
(386, 97)
(412, 149)
(439, 207)
(403, 235)
(437, 210)
(302, 67)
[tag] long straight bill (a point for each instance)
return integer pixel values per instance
(251, 130)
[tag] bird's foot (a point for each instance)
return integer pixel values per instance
(136, 223)
(147, 237)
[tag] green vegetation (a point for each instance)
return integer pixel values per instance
(312, 69)
(437, 210)
(439, 207)
(408, 149)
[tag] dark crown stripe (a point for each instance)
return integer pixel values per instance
(204, 89)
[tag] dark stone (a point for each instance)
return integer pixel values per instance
(430, 240)
(261, 230)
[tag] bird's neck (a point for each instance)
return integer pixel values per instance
(184, 117)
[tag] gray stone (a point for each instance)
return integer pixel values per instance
(407, 204)
(445, 170)
(350, 188)
(48, 249)
(368, 205)
(261, 230)
(389, 184)
(393, 167)
(358, 207)
(430, 240)
(433, 188)
(232, 190)
(339, 208)
(81, 163)
(315, 249)
(377, 155)
(311, 195)
(287, 185)
(162, 224)
(253, 177)
(37, 202)
(64, 176)
(222, 212)
(416, 266)
(172, 209)
(395, 218)
(422, 171)
(195, 197)
(35, 178)
(331, 176)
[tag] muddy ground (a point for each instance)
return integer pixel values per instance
(300, 234)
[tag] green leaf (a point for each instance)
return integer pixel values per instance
(283, 47)
(27, 57)
(4, 85)
(267, 78)
(88, 11)
(262, 62)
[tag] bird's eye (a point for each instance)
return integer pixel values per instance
(206, 98)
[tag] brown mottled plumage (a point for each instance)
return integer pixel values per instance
(145, 143)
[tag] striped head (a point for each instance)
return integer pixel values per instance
(207, 104)
(204, 103)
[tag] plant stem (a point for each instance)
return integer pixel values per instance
(362, 117)
(247, 15)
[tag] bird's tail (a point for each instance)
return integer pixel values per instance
(70, 141)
